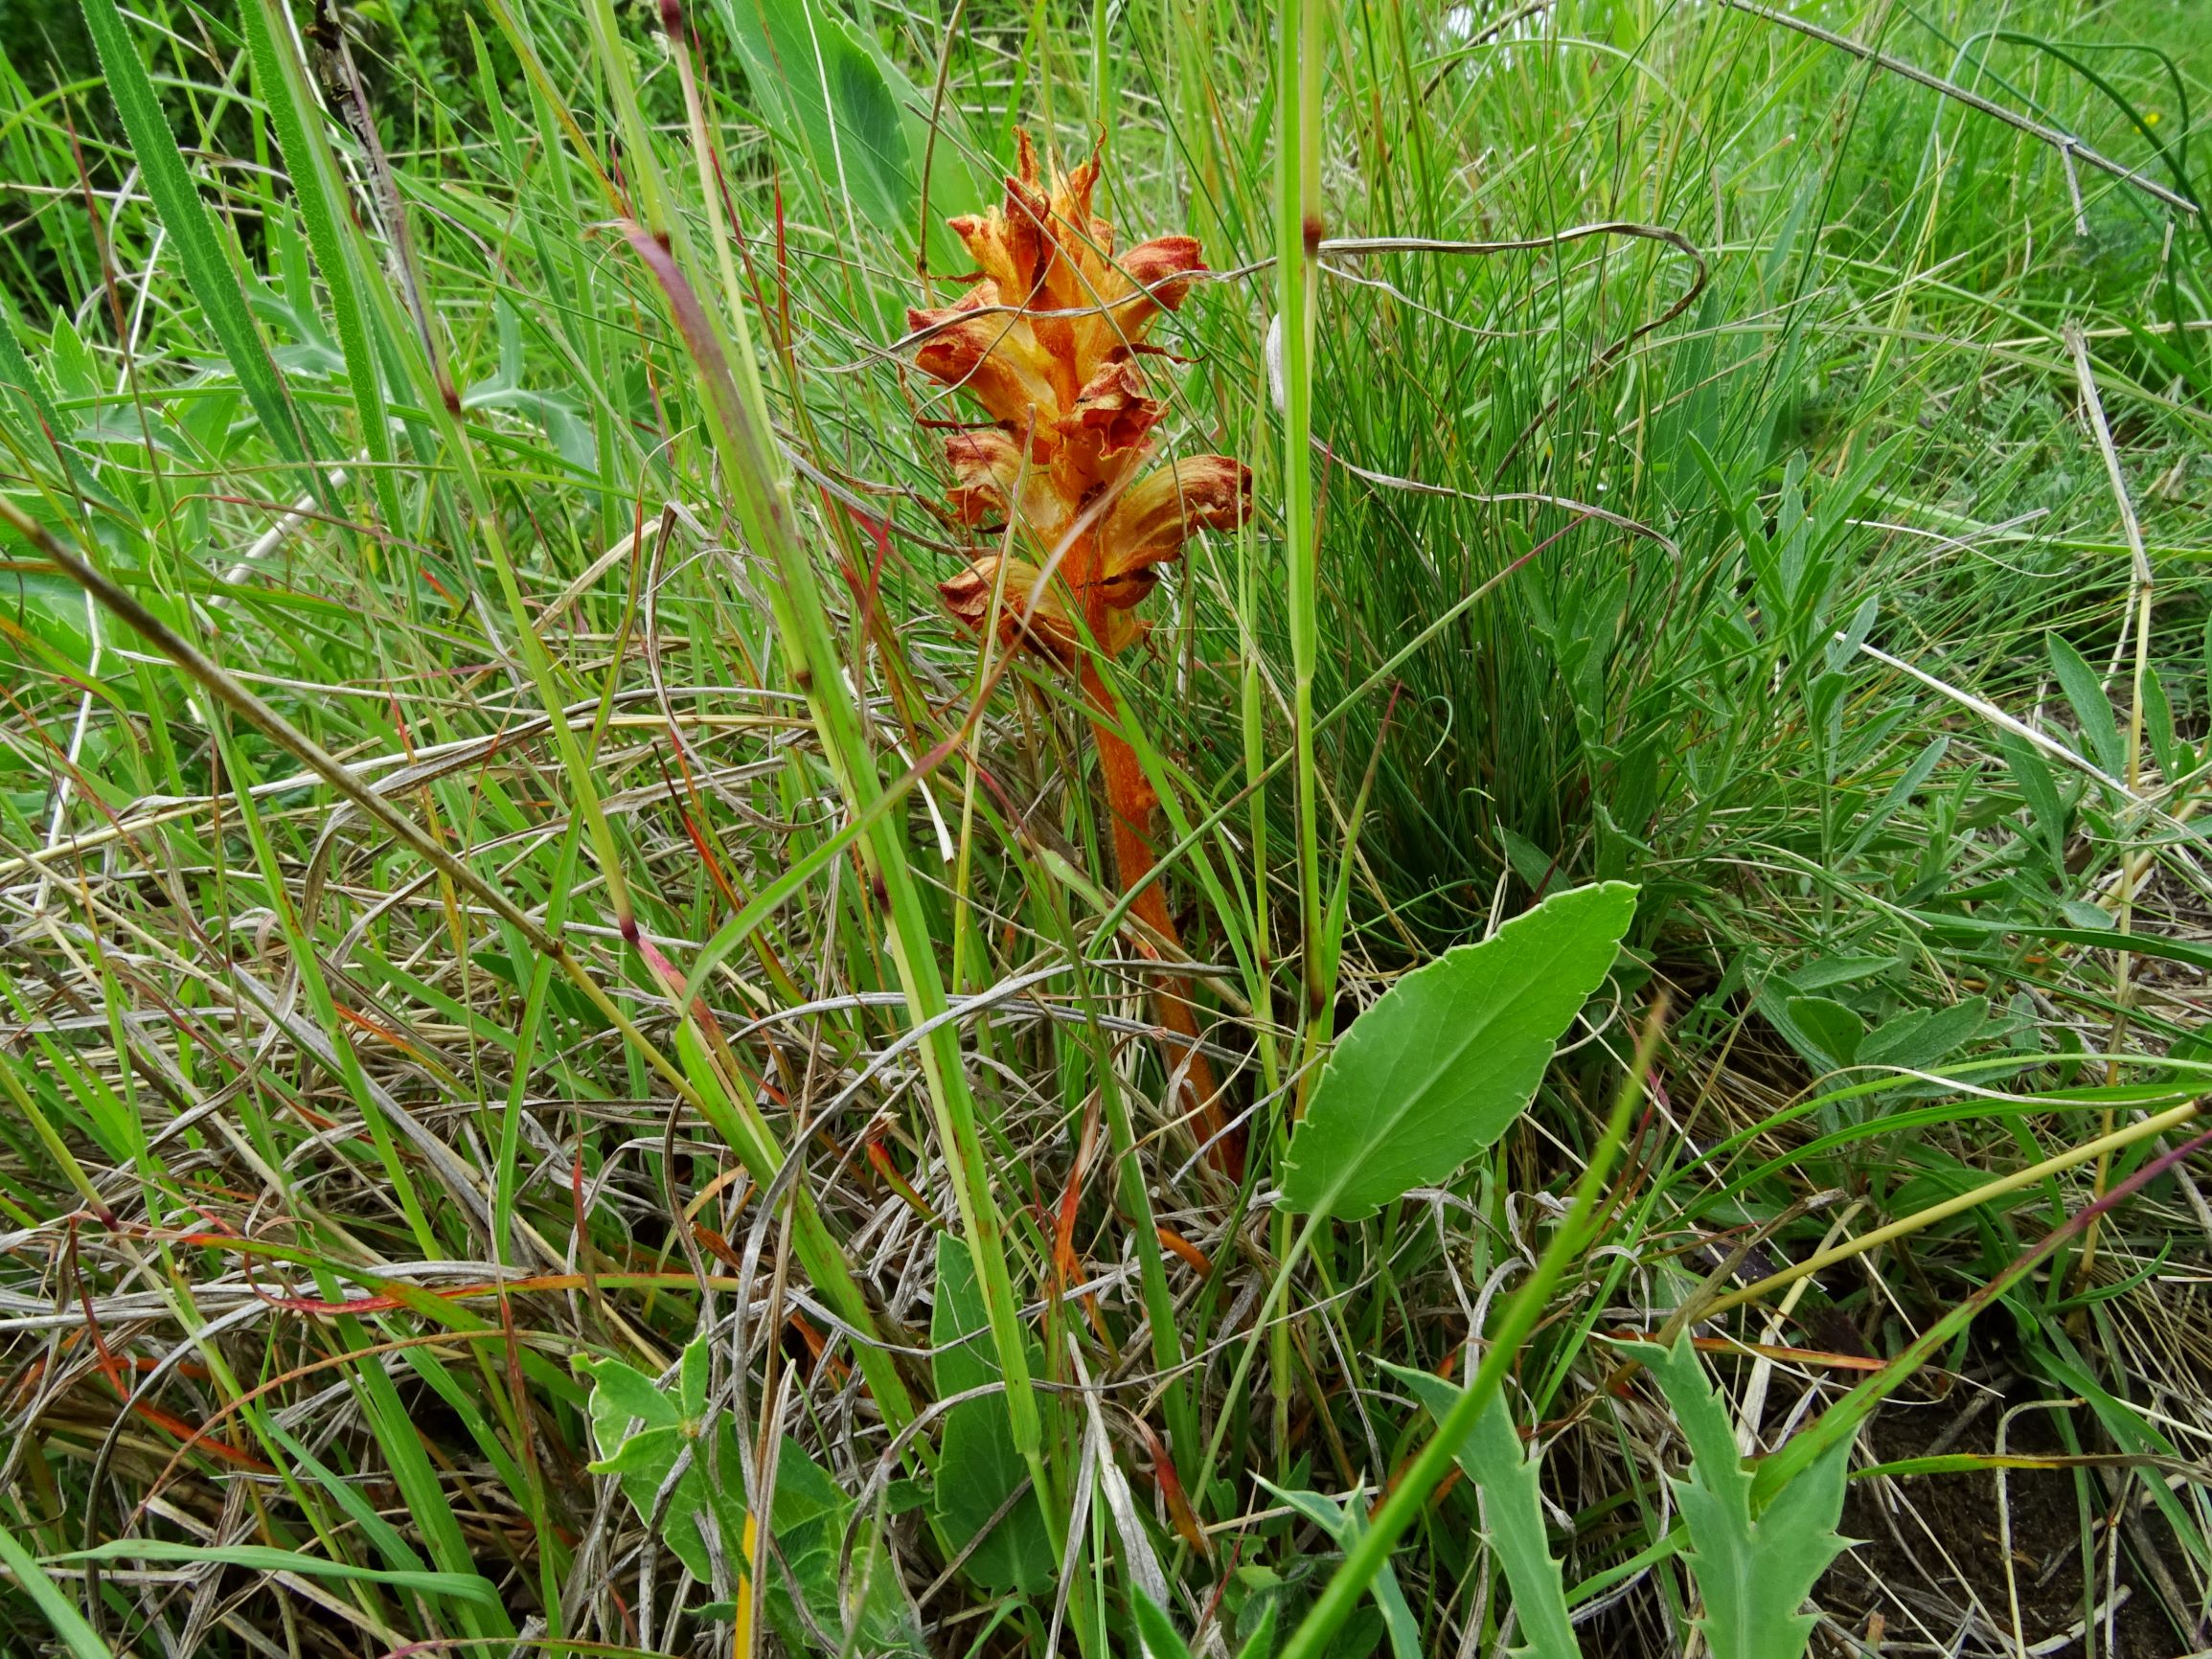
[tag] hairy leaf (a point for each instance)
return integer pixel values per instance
(2093, 707)
(1155, 1634)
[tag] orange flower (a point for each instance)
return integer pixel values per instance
(990, 354)
(988, 467)
(1150, 520)
(1028, 615)
(1046, 341)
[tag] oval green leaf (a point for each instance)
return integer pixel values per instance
(1451, 1054)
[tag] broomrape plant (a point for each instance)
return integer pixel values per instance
(1049, 340)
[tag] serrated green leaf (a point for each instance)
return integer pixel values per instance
(1753, 1575)
(1442, 1065)
(1505, 1483)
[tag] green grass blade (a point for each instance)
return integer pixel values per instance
(77, 1635)
(198, 243)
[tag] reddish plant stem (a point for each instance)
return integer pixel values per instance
(1130, 803)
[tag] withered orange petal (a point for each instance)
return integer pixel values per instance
(967, 597)
(987, 468)
(1112, 408)
(1025, 226)
(1071, 192)
(985, 238)
(1158, 513)
(994, 357)
(1128, 588)
(1163, 267)
(984, 464)
(1107, 433)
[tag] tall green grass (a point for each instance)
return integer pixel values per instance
(771, 942)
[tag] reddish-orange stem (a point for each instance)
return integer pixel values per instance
(1130, 803)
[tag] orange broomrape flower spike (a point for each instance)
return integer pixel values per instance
(1048, 341)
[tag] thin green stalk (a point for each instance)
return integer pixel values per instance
(1298, 234)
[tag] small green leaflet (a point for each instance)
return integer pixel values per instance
(1442, 1065)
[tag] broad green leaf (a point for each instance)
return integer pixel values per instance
(620, 1397)
(1919, 1039)
(1505, 1482)
(805, 58)
(1825, 1030)
(978, 1467)
(1753, 1575)
(260, 1558)
(1831, 970)
(810, 1511)
(692, 1378)
(1442, 1065)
